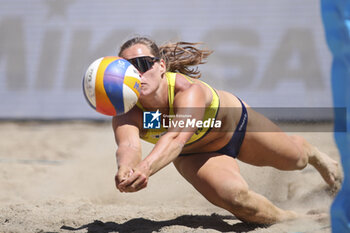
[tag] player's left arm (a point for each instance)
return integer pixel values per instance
(191, 103)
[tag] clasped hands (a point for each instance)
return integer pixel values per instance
(130, 179)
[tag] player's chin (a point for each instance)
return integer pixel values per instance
(144, 92)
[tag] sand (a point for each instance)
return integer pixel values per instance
(59, 177)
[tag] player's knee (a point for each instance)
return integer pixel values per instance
(238, 197)
(241, 206)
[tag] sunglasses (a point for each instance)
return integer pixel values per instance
(144, 63)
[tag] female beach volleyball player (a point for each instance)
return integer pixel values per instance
(204, 157)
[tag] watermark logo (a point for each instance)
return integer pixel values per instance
(151, 120)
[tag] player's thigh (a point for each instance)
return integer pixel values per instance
(266, 145)
(215, 176)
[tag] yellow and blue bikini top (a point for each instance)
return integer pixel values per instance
(153, 135)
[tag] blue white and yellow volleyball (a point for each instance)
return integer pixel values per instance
(111, 85)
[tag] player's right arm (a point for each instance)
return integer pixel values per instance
(128, 155)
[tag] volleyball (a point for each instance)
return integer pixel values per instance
(111, 85)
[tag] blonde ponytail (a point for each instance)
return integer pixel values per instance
(181, 56)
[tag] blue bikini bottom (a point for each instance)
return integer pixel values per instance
(233, 147)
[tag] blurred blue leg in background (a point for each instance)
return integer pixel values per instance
(336, 19)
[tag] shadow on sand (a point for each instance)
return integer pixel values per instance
(214, 221)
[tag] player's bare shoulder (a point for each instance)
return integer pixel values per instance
(191, 88)
(182, 82)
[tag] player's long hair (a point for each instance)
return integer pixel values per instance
(182, 57)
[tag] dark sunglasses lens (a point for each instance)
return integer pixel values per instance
(142, 63)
